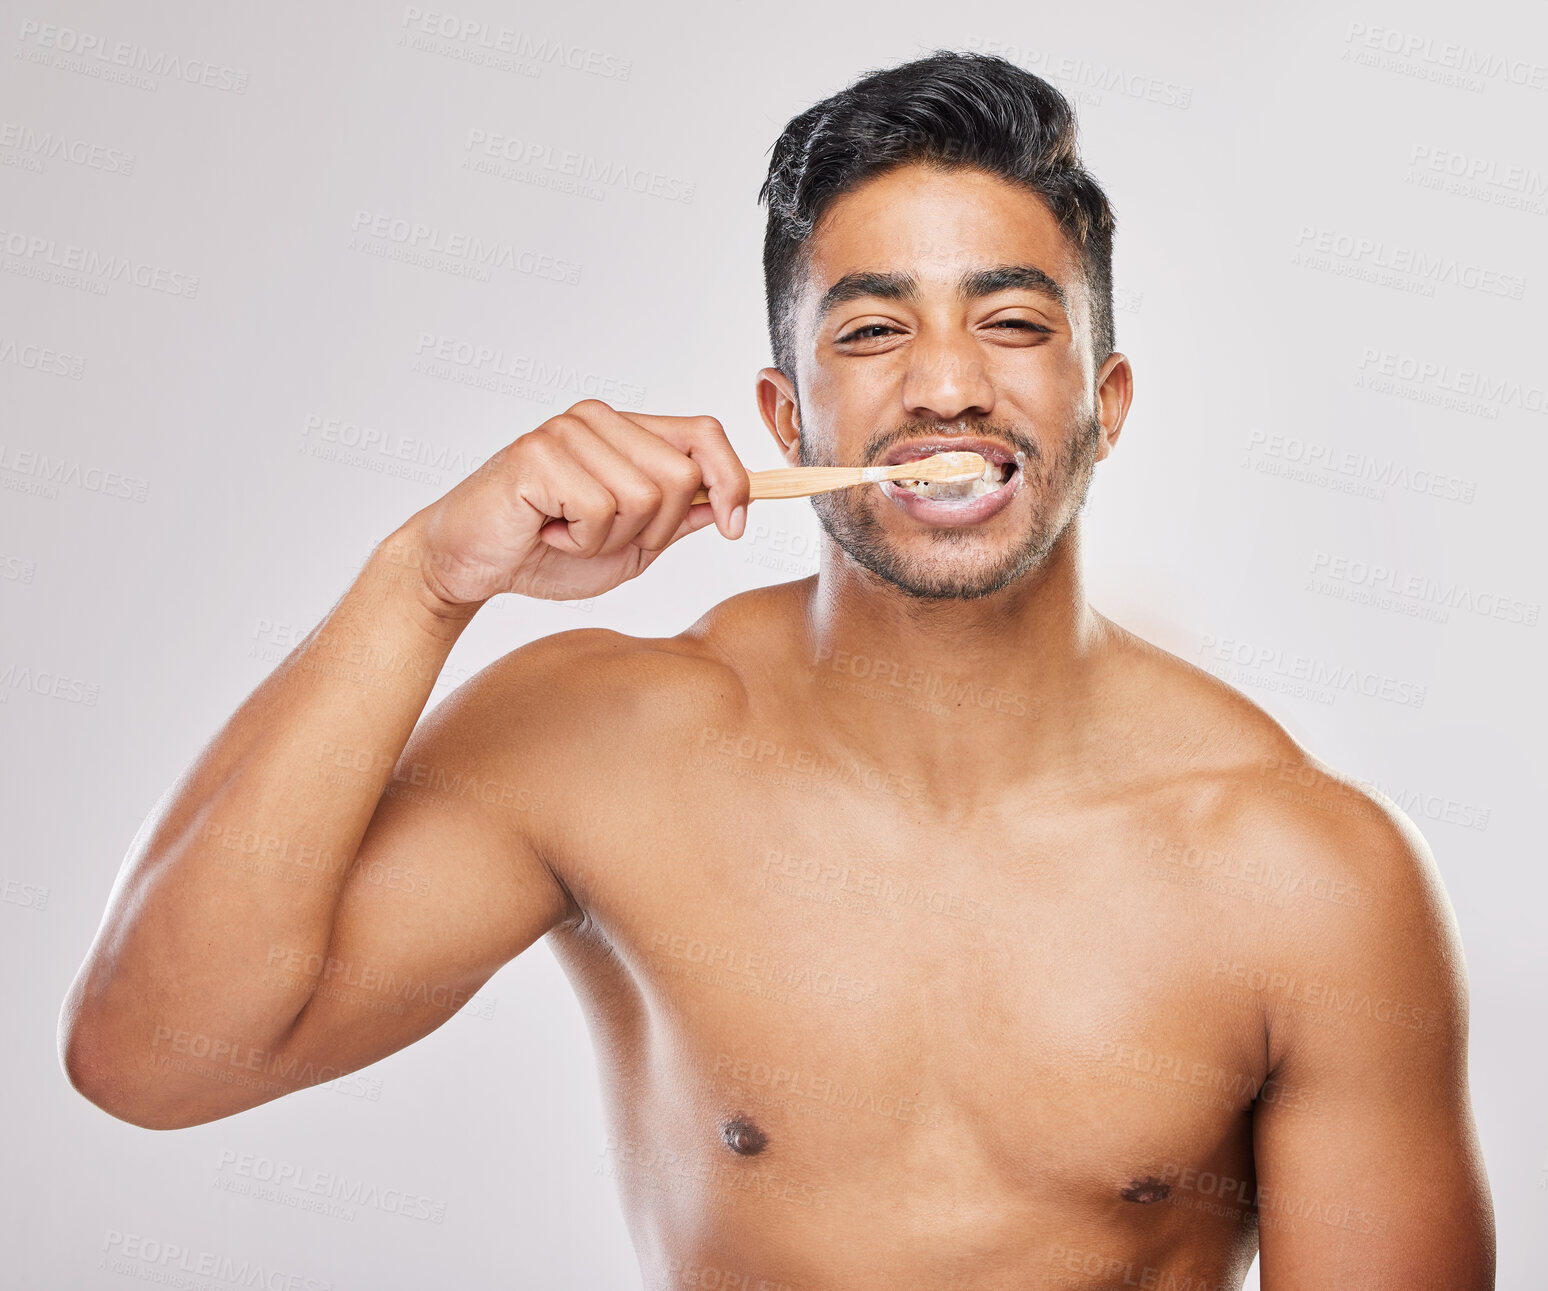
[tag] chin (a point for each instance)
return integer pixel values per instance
(964, 564)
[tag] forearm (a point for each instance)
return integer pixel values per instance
(222, 913)
(218, 931)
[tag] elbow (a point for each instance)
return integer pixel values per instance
(107, 1080)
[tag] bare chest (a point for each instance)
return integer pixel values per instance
(1010, 1009)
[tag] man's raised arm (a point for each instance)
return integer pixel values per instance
(313, 894)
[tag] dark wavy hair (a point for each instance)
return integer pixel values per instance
(950, 109)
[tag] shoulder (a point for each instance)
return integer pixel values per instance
(1357, 945)
(1351, 894)
(593, 691)
(1251, 774)
(596, 688)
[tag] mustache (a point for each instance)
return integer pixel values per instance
(877, 446)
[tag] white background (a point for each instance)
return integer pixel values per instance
(1229, 140)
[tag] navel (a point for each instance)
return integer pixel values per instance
(743, 1137)
(1146, 1190)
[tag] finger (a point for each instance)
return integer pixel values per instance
(639, 496)
(554, 484)
(704, 440)
(700, 516)
(675, 473)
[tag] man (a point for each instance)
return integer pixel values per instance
(933, 930)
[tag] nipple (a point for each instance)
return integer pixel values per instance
(743, 1137)
(1147, 1190)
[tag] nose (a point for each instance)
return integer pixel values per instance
(946, 379)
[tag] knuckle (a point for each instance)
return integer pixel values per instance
(644, 497)
(540, 447)
(683, 473)
(599, 502)
(709, 425)
(591, 537)
(739, 485)
(585, 406)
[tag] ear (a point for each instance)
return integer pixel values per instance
(781, 412)
(1115, 392)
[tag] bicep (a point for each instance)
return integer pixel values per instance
(449, 883)
(1371, 1175)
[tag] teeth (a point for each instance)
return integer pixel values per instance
(992, 477)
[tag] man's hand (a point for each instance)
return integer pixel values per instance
(584, 502)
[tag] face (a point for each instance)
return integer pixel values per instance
(946, 310)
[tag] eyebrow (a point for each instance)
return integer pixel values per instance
(972, 284)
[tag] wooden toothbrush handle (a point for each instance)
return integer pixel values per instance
(797, 481)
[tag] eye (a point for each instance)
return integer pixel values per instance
(1024, 323)
(859, 334)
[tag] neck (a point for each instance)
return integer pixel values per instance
(957, 693)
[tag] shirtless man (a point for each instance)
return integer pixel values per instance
(932, 930)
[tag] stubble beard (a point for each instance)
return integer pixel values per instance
(1057, 490)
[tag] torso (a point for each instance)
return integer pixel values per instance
(857, 1031)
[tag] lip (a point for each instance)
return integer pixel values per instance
(914, 449)
(943, 514)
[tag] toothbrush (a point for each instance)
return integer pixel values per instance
(803, 481)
